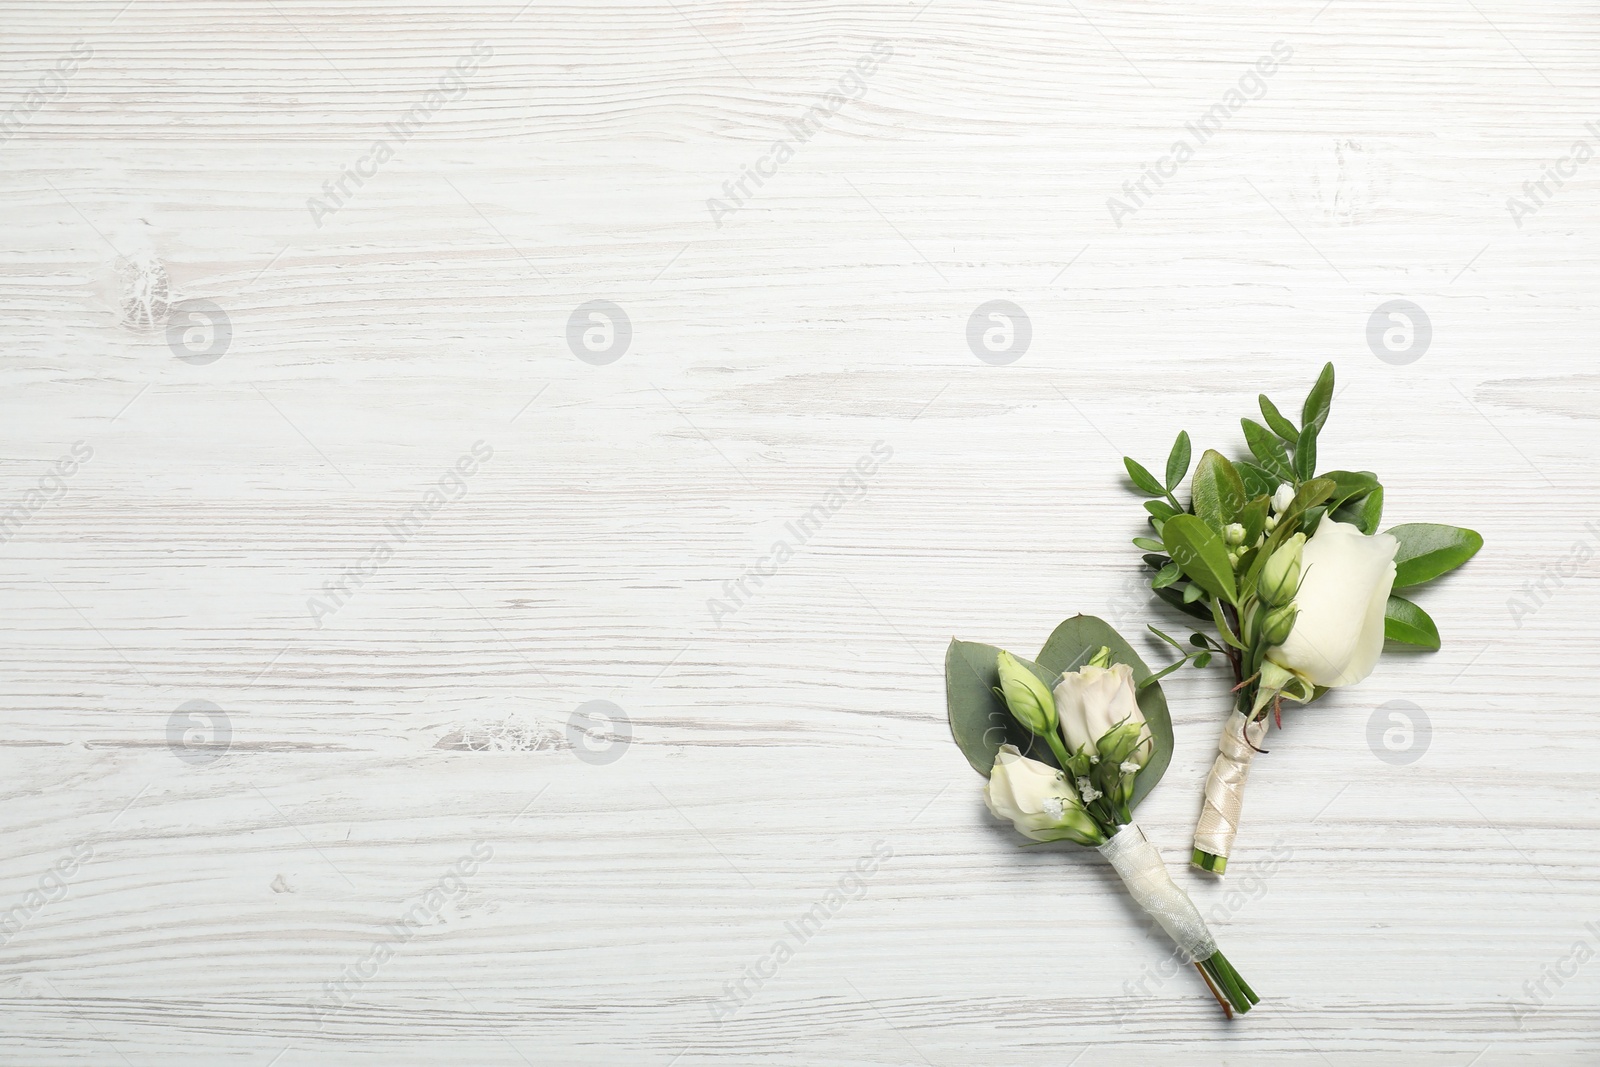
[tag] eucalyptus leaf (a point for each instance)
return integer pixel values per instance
(1178, 461)
(1143, 480)
(1280, 425)
(1428, 550)
(979, 719)
(1196, 548)
(1305, 453)
(1217, 490)
(1408, 624)
(1315, 411)
(1266, 447)
(1071, 646)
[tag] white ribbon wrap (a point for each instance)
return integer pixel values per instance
(1219, 818)
(1146, 877)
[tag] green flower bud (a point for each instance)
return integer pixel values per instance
(1101, 658)
(1027, 697)
(1280, 577)
(1233, 533)
(1276, 626)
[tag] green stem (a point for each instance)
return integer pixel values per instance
(1233, 986)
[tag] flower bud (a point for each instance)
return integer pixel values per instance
(1027, 697)
(1038, 800)
(1233, 533)
(1283, 498)
(1276, 626)
(1280, 577)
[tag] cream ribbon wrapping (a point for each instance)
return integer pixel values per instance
(1219, 818)
(1146, 877)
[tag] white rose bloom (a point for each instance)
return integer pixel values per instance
(1036, 798)
(1092, 700)
(1345, 581)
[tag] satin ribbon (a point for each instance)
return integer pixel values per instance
(1219, 817)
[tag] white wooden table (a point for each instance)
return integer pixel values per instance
(387, 835)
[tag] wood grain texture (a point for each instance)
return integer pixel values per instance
(1387, 913)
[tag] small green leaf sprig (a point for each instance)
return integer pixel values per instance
(1212, 559)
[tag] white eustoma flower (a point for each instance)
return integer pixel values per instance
(1345, 581)
(1092, 700)
(1037, 799)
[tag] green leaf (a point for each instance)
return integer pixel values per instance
(1178, 461)
(1280, 425)
(1160, 510)
(1309, 495)
(1371, 512)
(1149, 545)
(1408, 624)
(1305, 454)
(1202, 660)
(1258, 481)
(1196, 548)
(1168, 638)
(1166, 576)
(1174, 596)
(1365, 512)
(1070, 647)
(1223, 629)
(979, 719)
(1254, 519)
(1266, 447)
(1347, 485)
(1143, 480)
(1192, 593)
(1217, 490)
(1318, 401)
(1428, 550)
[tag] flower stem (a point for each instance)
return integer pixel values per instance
(1234, 987)
(1207, 862)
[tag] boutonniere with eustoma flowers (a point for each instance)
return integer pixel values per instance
(1290, 568)
(1070, 745)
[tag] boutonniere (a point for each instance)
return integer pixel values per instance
(1290, 568)
(1070, 744)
